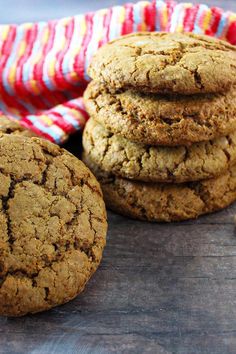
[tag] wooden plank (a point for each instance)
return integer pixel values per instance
(171, 285)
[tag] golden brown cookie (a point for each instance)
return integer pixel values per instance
(8, 126)
(165, 202)
(183, 63)
(162, 120)
(127, 159)
(52, 225)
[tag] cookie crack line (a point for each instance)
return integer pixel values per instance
(168, 64)
(137, 116)
(32, 278)
(146, 119)
(5, 201)
(72, 245)
(13, 184)
(148, 163)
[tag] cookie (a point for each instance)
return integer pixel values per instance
(165, 202)
(163, 120)
(8, 126)
(127, 159)
(183, 63)
(52, 225)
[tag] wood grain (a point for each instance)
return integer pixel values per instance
(161, 288)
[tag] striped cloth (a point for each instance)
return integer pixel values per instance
(43, 66)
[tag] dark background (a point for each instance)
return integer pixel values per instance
(161, 288)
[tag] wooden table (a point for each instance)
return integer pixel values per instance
(161, 288)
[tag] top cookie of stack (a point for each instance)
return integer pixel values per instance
(164, 63)
(167, 89)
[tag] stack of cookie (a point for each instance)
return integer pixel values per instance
(162, 134)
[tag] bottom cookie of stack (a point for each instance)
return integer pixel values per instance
(165, 202)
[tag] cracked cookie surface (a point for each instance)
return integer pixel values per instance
(162, 120)
(127, 159)
(8, 126)
(165, 202)
(166, 63)
(52, 225)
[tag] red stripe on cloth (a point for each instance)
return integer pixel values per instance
(25, 122)
(170, 5)
(6, 52)
(77, 108)
(21, 90)
(80, 58)
(150, 17)
(7, 45)
(30, 37)
(189, 18)
(216, 17)
(231, 34)
(106, 28)
(60, 78)
(60, 122)
(12, 102)
(38, 67)
(127, 26)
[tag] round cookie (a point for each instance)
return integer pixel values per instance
(127, 159)
(165, 202)
(52, 225)
(183, 63)
(162, 120)
(8, 126)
